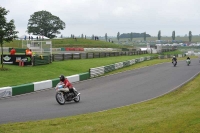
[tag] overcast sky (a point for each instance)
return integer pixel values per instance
(98, 17)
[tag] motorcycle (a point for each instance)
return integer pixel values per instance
(64, 95)
(188, 62)
(174, 63)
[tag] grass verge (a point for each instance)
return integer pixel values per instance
(20, 75)
(176, 112)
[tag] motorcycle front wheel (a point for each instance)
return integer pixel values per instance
(60, 98)
(77, 99)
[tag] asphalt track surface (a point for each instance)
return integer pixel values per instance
(100, 93)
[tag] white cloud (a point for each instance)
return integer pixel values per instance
(111, 16)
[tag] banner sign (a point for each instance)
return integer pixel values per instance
(15, 59)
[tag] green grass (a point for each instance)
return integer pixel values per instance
(176, 112)
(21, 75)
(58, 43)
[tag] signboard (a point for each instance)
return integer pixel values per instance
(15, 59)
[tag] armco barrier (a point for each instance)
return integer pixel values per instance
(5, 92)
(84, 76)
(21, 89)
(42, 85)
(94, 72)
(109, 68)
(55, 82)
(118, 65)
(73, 78)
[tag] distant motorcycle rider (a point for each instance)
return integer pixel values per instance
(174, 59)
(188, 58)
(67, 84)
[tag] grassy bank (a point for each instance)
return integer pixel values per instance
(58, 43)
(176, 112)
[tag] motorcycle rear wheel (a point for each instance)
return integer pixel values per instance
(60, 98)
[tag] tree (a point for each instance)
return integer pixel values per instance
(159, 35)
(145, 36)
(106, 37)
(190, 36)
(173, 35)
(118, 34)
(131, 36)
(44, 23)
(7, 30)
(82, 36)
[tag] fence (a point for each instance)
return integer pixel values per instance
(68, 56)
(41, 60)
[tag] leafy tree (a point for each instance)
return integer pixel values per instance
(190, 36)
(173, 35)
(145, 36)
(106, 37)
(44, 23)
(135, 35)
(118, 34)
(159, 35)
(7, 30)
(131, 36)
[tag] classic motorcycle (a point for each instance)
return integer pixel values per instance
(64, 95)
(188, 62)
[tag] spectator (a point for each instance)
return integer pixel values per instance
(26, 52)
(12, 51)
(29, 52)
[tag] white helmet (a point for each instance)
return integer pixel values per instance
(173, 56)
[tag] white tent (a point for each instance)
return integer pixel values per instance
(32, 37)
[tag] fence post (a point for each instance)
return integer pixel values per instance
(63, 56)
(72, 56)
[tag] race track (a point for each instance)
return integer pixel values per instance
(101, 93)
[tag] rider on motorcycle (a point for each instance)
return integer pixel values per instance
(188, 58)
(174, 59)
(67, 84)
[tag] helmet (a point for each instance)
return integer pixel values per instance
(173, 56)
(62, 78)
